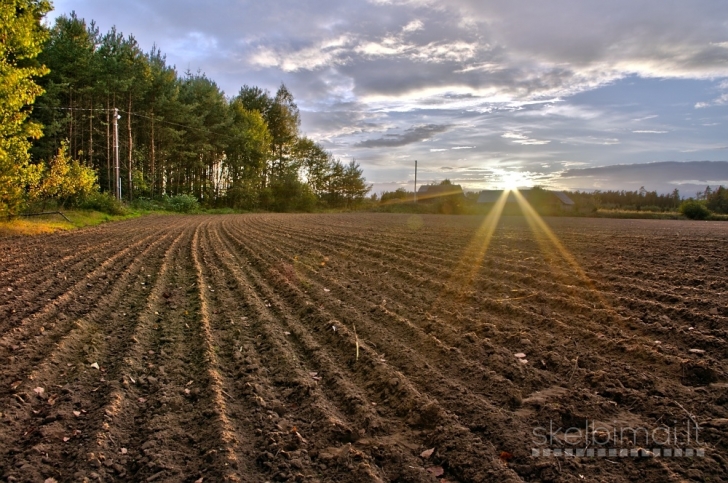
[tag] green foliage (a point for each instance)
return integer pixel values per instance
(590, 202)
(183, 203)
(399, 195)
(651, 208)
(717, 201)
(69, 56)
(694, 210)
(146, 204)
(21, 38)
(345, 185)
(64, 180)
(247, 149)
(105, 203)
(354, 184)
(288, 193)
(449, 206)
(644, 215)
(315, 163)
(180, 138)
(244, 195)
(283, 121)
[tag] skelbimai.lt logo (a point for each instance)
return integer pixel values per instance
(601, 440)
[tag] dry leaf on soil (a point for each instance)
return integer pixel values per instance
(436, 470)
(427, 453)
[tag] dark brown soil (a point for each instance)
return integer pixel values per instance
(339, 348)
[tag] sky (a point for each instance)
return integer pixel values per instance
(567, 94)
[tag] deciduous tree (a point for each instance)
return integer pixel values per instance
(21, 40)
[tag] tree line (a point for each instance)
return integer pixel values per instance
(702, 206)
(178, 133)
(639, 200)
(699, 207)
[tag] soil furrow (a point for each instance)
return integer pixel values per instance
(228, 434)
(159, 426)
(314, 328)
(395, 291)
(336, 408)
(464, 402)
(49, 415)
(25, 346)
(88, 285)
(605, 362)
(364, 347)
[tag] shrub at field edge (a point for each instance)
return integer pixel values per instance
(694, 210)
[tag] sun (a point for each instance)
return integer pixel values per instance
(511, 180)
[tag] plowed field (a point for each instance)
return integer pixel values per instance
(342, 348)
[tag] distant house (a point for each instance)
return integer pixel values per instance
(434, 192)
(541, 200)
(564, 202)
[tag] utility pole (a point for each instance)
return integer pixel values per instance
(117, 175)
(415, 181)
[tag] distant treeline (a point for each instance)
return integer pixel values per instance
(715, 201)
(701, 206)
(178, 134)
(640, 200)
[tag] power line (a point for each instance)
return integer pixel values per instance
(162, 121)
(71, 109)
(206, 131)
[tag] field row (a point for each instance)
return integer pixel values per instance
(342, 347)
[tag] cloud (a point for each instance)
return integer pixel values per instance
(645, 118)
(326, 52)
(508, 83)
(593, 140)
(519, 49)
(413, 26)
(659, 176)
(413, 135)
(521, 138)
(722, 100)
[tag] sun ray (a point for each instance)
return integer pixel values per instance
(473, 255)
(537, 223)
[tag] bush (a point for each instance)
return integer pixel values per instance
(694, 210)
(399, 195)
(147, 204)
(182, 204)
(63, 180)
(105, 203)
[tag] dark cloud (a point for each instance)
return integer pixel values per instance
(660, 176)
(664, 171)
(414, 135)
